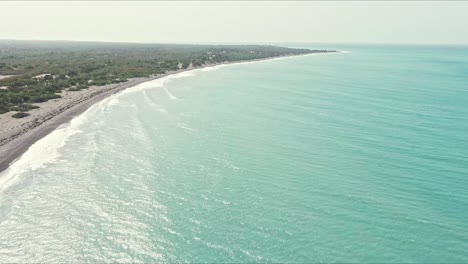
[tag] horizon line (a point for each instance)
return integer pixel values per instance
(242, 42)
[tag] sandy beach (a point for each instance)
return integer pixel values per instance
(17, 135)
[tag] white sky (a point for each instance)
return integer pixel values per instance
(227, 22)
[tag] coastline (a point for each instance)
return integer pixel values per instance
(25, 133)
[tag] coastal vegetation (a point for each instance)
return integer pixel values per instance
(42, 69)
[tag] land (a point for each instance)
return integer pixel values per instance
(44, 84)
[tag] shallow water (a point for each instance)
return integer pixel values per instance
(352, 157)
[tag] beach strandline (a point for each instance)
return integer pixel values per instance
(26, 150)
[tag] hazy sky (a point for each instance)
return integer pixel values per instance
(268, 22)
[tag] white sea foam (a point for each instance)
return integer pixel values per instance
(182, 74)
(114, 101)
(183, 126)
(46, 150)
(143, 86)
(43, 152)
(157, 83)
(169, 94)
(212, 68)
(149, 101)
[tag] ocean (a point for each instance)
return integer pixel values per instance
(359, 156)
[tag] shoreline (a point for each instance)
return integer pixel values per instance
(12, 147)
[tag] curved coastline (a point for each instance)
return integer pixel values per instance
(13, 147)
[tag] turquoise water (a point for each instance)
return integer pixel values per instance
(352, 157)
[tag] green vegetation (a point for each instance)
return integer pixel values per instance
(20, 115)
(44, 68)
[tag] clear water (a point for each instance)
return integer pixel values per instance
(350, 157)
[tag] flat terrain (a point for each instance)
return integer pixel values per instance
(46, 84)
